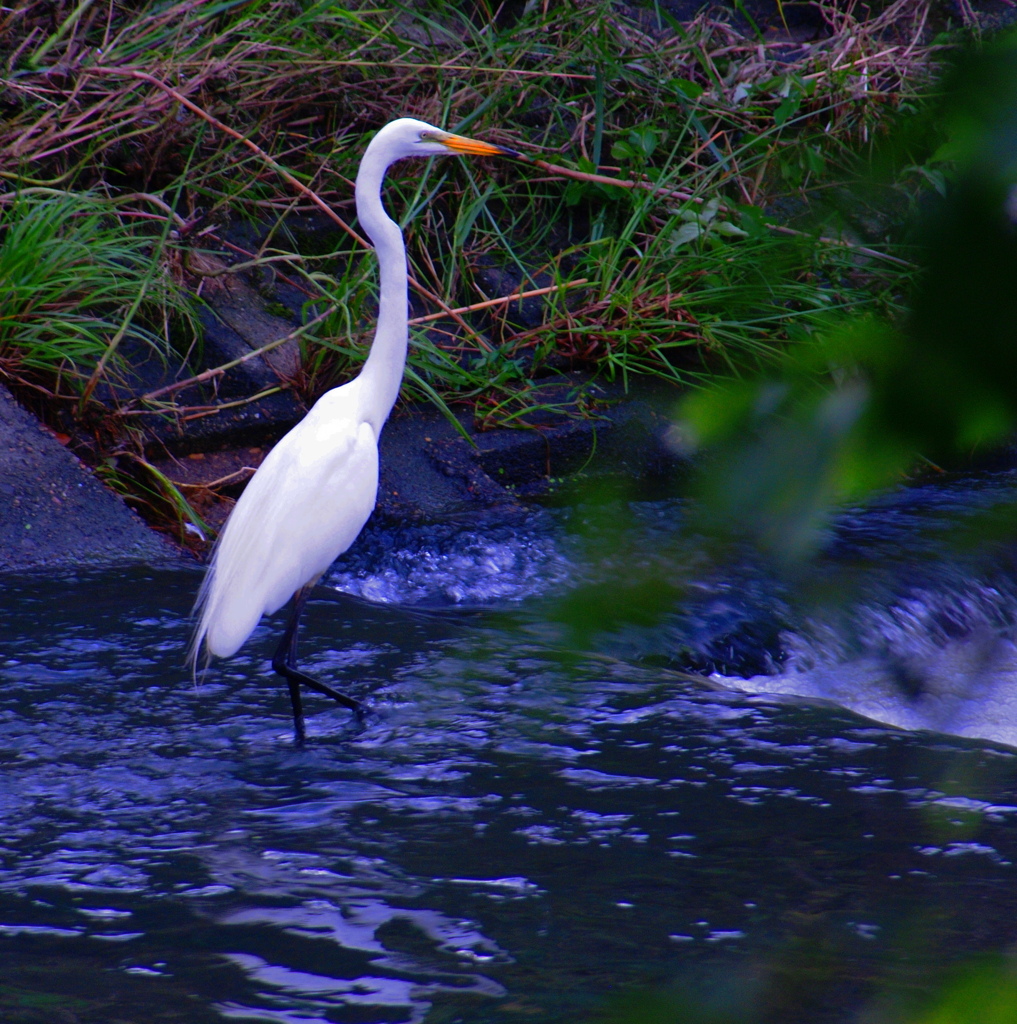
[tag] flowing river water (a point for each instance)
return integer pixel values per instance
(542, 811)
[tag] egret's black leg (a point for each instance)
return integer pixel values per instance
(284, 662)
(298, 710)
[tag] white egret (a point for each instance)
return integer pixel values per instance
(310, 498)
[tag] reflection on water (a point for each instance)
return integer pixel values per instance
(513, 834)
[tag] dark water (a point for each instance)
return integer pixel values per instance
(515, 834)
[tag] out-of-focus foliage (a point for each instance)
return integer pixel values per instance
(984, 992)
(853, 408)
(980, 991)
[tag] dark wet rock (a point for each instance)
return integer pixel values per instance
(248, 404)
(240, 321)
(53, 512)
(237, 321)
(526, 314)
(428, 469)
(431, 468)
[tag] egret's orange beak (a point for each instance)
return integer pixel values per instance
(474, 147)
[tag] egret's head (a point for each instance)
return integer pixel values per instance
(409, 137)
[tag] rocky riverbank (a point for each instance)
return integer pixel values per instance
(55, 512)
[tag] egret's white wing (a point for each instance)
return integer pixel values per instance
(304, 506)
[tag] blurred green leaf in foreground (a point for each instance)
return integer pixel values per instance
(979, 991)
(852, 408)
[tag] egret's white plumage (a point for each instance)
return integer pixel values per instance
(311, 496)
(303, 508)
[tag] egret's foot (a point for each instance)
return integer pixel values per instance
(294, 677)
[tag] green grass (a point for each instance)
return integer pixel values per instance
(75, 280)
(722, 242)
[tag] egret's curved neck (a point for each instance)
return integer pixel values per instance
(382, 374)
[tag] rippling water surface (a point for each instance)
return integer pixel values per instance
(515, 833)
